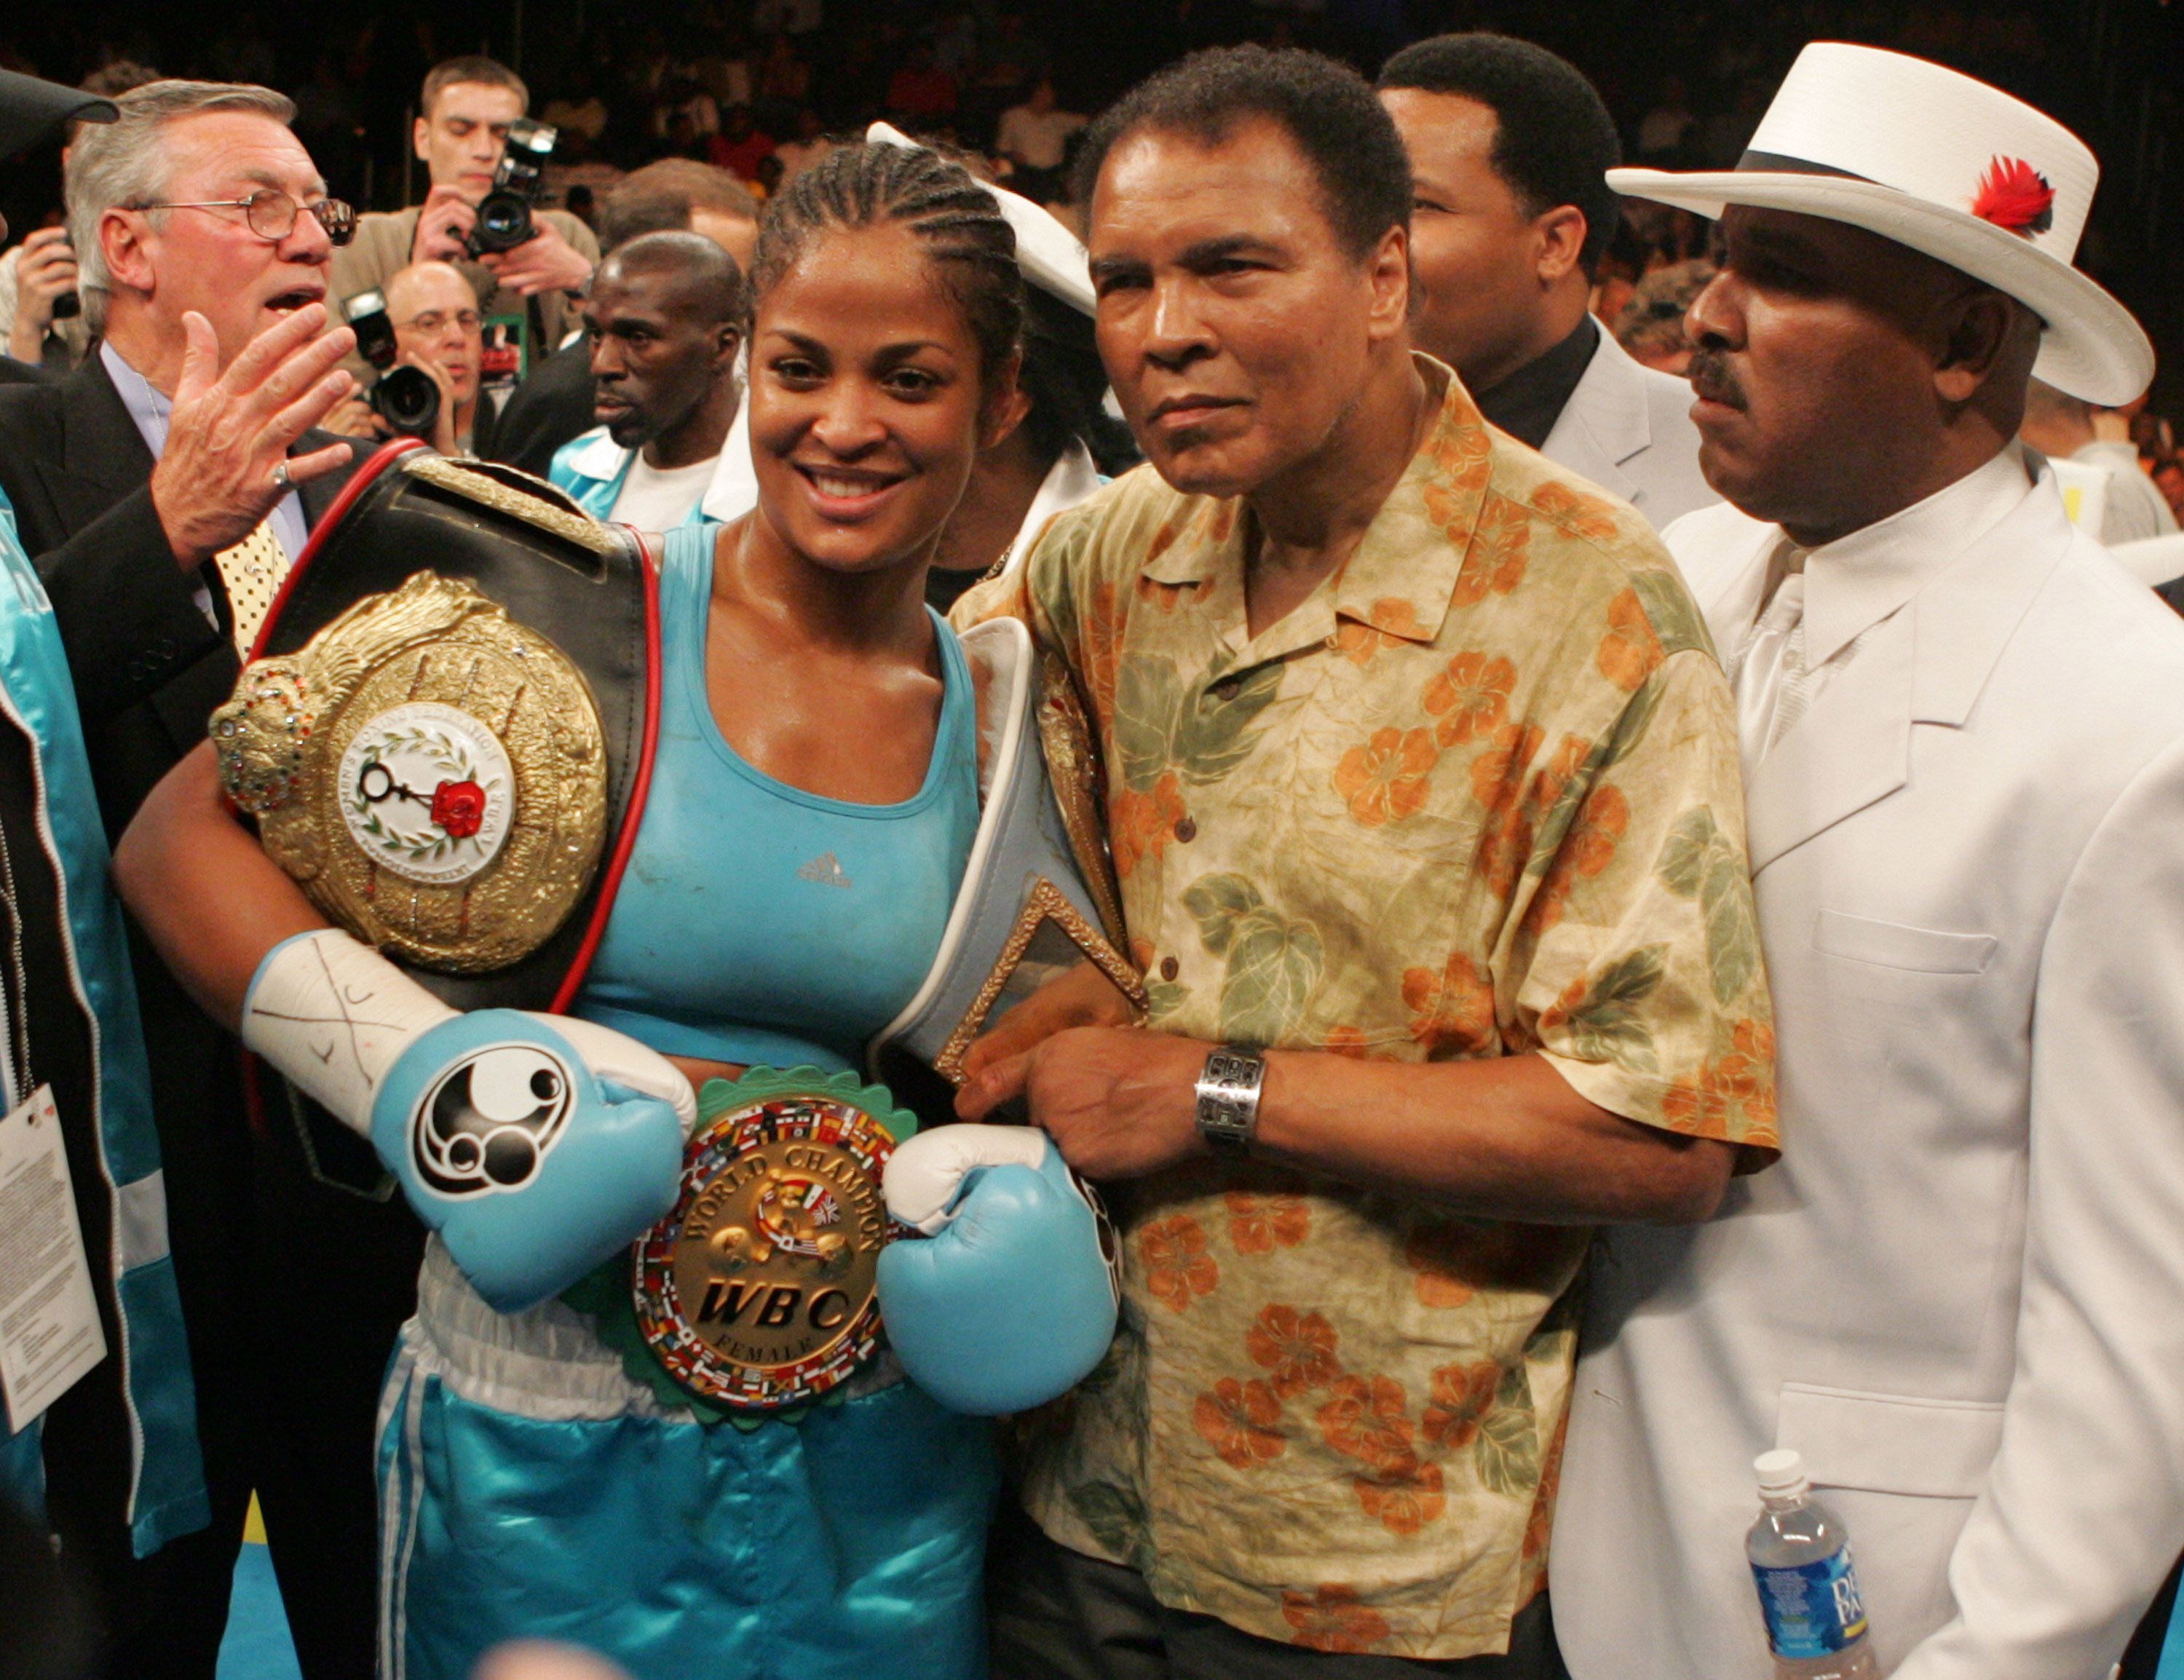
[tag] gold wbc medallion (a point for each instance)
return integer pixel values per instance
(761, 1290)
(432, 774)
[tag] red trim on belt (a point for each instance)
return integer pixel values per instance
(640, 787)
(383, 458)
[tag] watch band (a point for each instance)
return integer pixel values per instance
(1229, 1097)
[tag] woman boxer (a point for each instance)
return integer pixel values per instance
(814, 799)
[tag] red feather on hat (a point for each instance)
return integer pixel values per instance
(2015, 196)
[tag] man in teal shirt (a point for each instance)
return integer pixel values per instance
(666, 322)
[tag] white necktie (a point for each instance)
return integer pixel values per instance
(1771, 679)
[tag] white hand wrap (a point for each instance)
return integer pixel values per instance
(334, 1015)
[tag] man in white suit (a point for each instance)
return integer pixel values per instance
(1511, 214)
(1961, 1294)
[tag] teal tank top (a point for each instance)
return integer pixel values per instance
(760, 923)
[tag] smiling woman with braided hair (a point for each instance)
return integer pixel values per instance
(814, 802)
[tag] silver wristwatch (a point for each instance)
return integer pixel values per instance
(1229, 1097)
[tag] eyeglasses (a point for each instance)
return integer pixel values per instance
(271, 214)
(439, 321)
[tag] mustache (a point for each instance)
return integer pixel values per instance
(1711, 378)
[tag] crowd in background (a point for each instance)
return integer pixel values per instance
(763, 87)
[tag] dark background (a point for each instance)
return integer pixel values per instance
(2109, 69)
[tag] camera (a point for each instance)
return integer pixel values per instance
(69, 305)
(503, 214)
(407, 398)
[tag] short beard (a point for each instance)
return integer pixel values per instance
(633, 431)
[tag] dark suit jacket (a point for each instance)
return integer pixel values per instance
(545, 412)
(149, 668)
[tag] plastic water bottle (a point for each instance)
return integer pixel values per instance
(1808, 1593)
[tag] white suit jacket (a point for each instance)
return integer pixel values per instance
(1960, 1294)
(1628, 428)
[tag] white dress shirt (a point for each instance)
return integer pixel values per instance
(1807, 609)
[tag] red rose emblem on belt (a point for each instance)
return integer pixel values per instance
(459, 808)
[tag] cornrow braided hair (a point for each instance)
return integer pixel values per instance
(967, 237)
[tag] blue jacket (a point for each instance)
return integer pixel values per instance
(151, 1363)
(592, 468)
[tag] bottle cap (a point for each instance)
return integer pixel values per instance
(1782, 1471)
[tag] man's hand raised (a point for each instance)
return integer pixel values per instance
(229, 431)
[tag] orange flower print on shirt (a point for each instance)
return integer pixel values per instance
(1501, 548)
(1497, 780)
(1101, 636)
(1629, 652)
(1462, 1396)
(1139, 826)
(1241, 1422)
(1587, 516)
(1696, 1104)
(1365, 1421)
(1387, 779)
(1405, 1496)
(1298, 1347)
(1471, 698)
(1451, 1011)
(1587, 850)
(1258, 1225)
(1390, 622)
(1178, 1268)
(1348, 1040)
(1497, 775)
(1330, 1619)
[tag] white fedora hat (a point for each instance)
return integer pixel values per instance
(1052, 256)
(1948, 166)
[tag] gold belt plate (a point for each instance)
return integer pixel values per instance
(431, 773)
(761, 1290)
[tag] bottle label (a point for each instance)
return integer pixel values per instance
(1813, 1609)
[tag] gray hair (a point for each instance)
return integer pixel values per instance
(115, 165)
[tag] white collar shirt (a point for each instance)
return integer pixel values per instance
(1850, 586)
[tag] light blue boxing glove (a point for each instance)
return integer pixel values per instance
(536, 1145)
(1010, 1298)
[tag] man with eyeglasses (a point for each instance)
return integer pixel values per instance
(438, 327)
(163, 489)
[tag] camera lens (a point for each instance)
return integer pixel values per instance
(504, 222)
(408, 400)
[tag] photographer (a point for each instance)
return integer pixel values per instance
(41, 321)
(436, 329)
(467, 106)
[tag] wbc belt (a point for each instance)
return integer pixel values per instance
(445, 730)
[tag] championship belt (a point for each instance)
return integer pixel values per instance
(445, 730)
(1039, 896)
(445, 733)
(759, 1292)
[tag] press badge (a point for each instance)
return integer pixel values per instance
(49, 1330)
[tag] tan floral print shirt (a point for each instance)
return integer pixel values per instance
(1476, 796)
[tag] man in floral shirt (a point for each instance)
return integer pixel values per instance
(1421, 778)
